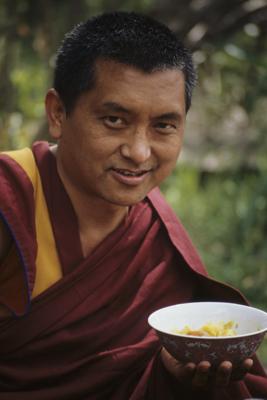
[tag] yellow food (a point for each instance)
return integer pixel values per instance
(210, 329)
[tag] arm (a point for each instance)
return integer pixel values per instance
(5, 241)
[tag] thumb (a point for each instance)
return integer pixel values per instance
(176, 368)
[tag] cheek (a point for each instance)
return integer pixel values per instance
(168, 160)
(170, 154)
(100, 146)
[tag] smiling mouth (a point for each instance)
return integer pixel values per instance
(130, 173)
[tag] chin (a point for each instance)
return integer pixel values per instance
(127, 202)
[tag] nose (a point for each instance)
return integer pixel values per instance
(137, 148)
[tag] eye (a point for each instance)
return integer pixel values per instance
(165, 127)
(112, 121)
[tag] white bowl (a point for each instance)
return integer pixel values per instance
(251, 328)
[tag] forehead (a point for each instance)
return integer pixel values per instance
(134, 88)
(108, 72)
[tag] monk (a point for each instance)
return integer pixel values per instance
(88, 245)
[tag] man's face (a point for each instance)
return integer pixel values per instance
(124, 136)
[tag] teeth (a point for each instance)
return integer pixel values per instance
(128, 173)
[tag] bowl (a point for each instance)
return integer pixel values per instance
(251, 326)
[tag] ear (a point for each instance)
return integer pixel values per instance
(55, 113)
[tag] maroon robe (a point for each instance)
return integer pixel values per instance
(86, 336)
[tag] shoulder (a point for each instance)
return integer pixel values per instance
(14, 187)
(17, 226)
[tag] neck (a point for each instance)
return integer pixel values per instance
(96, 217)
(96, 213)
(96, 223)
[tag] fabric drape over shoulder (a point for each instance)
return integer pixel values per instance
(82, 322)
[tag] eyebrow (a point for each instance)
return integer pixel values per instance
(116, 107)
(170, 116)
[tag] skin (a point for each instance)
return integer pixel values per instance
(132, 124)
(120, 124)
(203, 375)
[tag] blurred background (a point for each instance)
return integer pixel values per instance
(219, 188)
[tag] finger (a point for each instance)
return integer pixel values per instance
(184, 373)
(188, 371)
(247, 365)
(201, 374)
(223, 374)
(241, 371)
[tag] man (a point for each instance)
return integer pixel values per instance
(89, 247)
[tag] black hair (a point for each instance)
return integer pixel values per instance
(126, 37)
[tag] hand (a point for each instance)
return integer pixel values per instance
(202, 374)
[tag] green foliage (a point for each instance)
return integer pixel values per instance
(30, 92)
(226, 216)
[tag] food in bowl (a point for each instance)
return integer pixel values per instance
(210, 329)
(250, 325)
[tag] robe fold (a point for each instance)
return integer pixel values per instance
(77, 327)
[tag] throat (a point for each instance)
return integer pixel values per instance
(94, 231)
